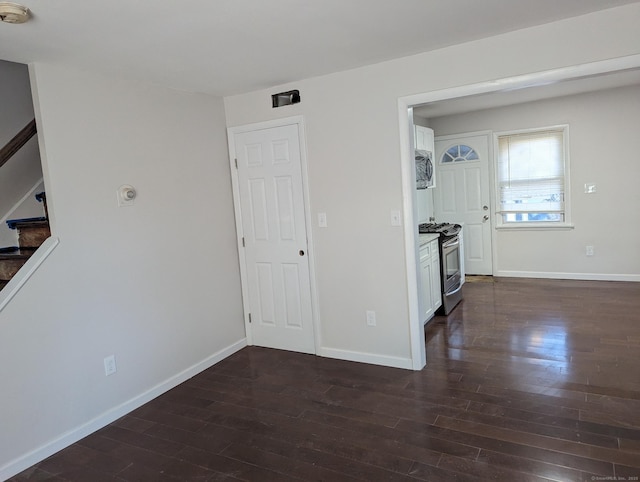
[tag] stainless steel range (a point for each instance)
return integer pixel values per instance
(450, 266)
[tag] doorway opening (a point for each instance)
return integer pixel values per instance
(582, 77)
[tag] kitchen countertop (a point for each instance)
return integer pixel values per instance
(426, 237)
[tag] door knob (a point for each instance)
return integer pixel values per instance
(485, 208)
(485, 218)
(301, 253)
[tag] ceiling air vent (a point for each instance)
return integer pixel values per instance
(13, 13)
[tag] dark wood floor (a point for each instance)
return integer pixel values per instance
(526, 380)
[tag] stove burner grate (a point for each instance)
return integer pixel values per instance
(442, 228)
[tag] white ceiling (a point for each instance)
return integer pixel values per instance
(501, 98)
(225, 47)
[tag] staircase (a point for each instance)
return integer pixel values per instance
(32, 233)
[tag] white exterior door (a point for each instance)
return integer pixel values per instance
(272, 211)
(463, 195)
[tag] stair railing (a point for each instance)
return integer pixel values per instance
(19, 140)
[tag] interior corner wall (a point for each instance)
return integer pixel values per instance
(156, 284)
(601, 125)
(15, 98)
(23, 170)
(353, 146)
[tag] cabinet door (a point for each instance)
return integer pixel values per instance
(420, 139)
(436, 290)
(426, 294)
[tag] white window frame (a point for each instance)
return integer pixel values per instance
(532, 225)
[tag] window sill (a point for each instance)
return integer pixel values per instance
(537, 227)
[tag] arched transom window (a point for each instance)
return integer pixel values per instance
(459, 153)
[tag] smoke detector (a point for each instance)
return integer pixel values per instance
(13, 13)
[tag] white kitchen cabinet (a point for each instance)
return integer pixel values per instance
(436, 288)
(461, 240)
(430, 293)
(426, 290)
(424, 138)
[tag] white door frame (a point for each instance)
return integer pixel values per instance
(405, 113)
(231, 132)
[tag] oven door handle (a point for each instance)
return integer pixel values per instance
(454, 291)
(451, 244)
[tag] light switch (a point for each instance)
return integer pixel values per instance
(322, 220)
(590, 188)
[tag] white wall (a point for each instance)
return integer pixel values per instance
(156, 284)
(602, 129)
(30, 207)
(355, 174)
(23, 170)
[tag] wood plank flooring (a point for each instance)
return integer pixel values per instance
(526, 380)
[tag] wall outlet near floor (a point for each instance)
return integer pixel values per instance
(371, 318)
(110, 365)
(589, 250)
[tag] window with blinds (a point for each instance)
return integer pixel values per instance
(532, 175)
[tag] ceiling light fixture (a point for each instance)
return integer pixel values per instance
(13, 13)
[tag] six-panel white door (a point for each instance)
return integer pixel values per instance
(463, 195)
(273, 224)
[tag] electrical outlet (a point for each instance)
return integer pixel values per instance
(110, 365)
(322, 220)
(371, 318)
(589, 250)
(590, 188)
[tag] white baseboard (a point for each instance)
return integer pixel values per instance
(576, 276)
(22, 463)
(387, 361)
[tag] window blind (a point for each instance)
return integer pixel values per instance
(531, 172)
